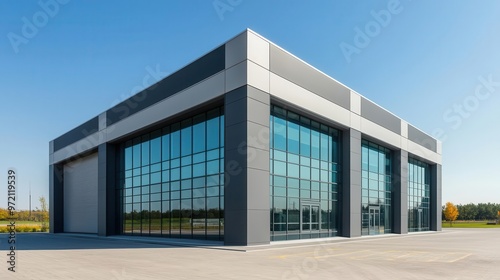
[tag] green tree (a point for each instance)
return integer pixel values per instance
(23, 215)
(450, 212)
(467, 211)
(44, 213)
(4, 214)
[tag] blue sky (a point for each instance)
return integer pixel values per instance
(66, 62)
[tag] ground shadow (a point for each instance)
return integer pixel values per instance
(48, 241)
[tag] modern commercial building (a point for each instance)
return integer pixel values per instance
(247, 145)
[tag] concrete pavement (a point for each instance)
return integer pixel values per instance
(451, 254)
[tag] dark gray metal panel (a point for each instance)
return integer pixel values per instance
(238, 112)
(56, 204)
(421, 138)
(78, 133)
(376, 114)
(351, 183)
(106, 196)
(259, 100)
(296, 71)
(439, 195)
(235, 226)
(81, 195)
(436, 196)
(235, 194)
(236, 94)
(400, 190)
(235, 188)
(346, 185)
(235, 133)
(247, 168)
(202, 68)
(112, 205)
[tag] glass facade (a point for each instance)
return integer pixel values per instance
(304, 181)
(171, 180)
(418, 195)
(376, 189)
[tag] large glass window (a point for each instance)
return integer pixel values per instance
(171, 180)
(418, 195)
(376, 189)
(304, 180)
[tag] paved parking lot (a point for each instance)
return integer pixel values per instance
(451, 254)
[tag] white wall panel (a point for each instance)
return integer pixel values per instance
(258, 76)
(383, 134)
(355, 103)
(177, 103)
(81, 146)
(258, 50)
(418, 150)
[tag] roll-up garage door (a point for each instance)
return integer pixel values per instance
(80, 195)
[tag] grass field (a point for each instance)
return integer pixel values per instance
(459, 224)
(22, 223)
(23, 226)
(481, 224)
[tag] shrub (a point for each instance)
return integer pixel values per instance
(23, 228)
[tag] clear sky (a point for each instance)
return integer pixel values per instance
(436, 64)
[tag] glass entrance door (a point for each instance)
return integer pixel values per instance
(310, 218)
(374, 220)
